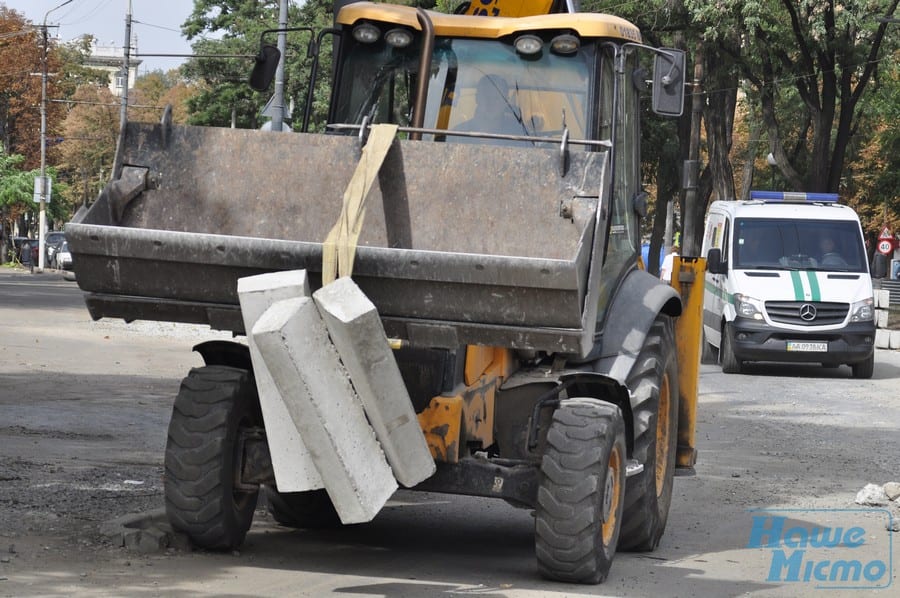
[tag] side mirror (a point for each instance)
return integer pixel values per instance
(264, 69)
(879, 265)
(714, 263)
(668, 82)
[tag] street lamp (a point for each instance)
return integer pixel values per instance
(42, 224)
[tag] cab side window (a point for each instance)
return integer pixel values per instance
(718, 228)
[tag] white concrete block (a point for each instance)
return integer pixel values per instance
(894, 339)
(882, 298)
(307, 371)
(882, 339)
(357, 333)
(294, 468)
(881, 318)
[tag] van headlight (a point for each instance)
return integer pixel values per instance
(862, 311)
(747, 307)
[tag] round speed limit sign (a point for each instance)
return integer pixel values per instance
(885, 246)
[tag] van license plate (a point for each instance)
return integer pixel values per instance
(808, 347)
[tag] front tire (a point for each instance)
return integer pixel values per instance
(312, 509)
(654, 385)
(730, 363)
(581, 492)
(202, 461)
(708, 353)
(864, 369)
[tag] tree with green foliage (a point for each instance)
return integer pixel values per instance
(18, 210)
(800, 69)
(872, 178)
(234, 27)
(16, 188)
(664, 141)
(807, 64)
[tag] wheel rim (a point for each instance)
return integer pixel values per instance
(611, 497)
(662, 434)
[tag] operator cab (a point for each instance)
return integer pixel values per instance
(510, 81)
(476, 85)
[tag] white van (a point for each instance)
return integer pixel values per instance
(787, 280)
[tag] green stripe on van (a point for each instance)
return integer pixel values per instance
(719, 292)
(798, 285)
(814, 286)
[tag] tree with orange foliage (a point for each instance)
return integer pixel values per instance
(89, 143)
(21, 48)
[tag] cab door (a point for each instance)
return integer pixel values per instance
(715, 293)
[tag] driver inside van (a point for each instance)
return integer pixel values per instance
(831, 258)
(759, 248)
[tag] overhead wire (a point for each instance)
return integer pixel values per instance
(101, 4)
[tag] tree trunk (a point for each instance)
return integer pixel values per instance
(747, 173)
(719, 118)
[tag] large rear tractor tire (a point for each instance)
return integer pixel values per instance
(730, 363)
(654, 385)
(581, 492)
(203, 499)
(302, 510)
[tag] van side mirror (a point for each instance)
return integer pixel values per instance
(264, 69)
(668, 82)
(714, 263)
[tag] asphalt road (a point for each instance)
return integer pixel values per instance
(83, 413)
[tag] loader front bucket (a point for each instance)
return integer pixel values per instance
(461, 244)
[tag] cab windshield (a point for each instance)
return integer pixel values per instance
(475, 85)
(771, 244)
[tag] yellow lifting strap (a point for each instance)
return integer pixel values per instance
(339, 248)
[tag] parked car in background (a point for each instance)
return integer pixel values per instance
(52, 243)
(63, 258)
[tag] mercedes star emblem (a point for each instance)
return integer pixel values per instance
(807, 312)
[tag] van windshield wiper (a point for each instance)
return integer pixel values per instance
(833, 269)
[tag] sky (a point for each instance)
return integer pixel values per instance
(156, 23)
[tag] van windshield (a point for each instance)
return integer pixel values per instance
(773, 244)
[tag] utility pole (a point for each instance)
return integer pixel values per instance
(692, 165)
(42, 222)
(278, 99)
(126, 70)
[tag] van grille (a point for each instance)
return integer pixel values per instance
(799, 313)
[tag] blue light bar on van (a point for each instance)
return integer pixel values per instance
(793, 196)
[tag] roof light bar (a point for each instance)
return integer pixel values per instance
(793, 196)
